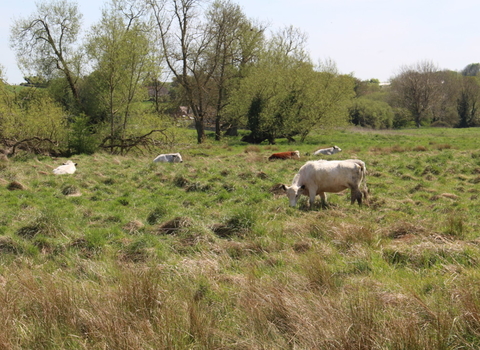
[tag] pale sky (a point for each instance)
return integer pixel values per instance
(365, 38)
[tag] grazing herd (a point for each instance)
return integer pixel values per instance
(314, 177)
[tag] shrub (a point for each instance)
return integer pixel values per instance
(81, 136)
(370, 113)
(35, 116)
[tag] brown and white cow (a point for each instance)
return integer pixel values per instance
(285, 155)
(328, 151)
(318, 177)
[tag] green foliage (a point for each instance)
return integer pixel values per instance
(45, 42)
(51, 31)
(283, 96)
(371, 113)
(123, 57)
(471, 70)
(402, 118)
(468, 102)
(32, 113)
(81, 136)
(367, 87)
(59, 91)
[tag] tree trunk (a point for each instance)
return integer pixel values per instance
(218, 132)
(232, 130)
(200, 127)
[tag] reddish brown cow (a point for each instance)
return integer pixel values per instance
(285, 155)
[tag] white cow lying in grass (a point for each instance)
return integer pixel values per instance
(318, 177)
(68, 167)
(169, 158)
(328, 151)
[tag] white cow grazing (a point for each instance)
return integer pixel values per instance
(68, 167)
(318, 177)
(169, 158)
(362, 164)
(328, 151)
(358, 161)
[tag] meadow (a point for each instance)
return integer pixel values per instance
(207, 254)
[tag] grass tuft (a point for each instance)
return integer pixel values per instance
(174, 226)
(47, 223)
(15, 185)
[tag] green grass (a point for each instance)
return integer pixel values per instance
(207, 254)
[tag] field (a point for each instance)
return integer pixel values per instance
(207, 254)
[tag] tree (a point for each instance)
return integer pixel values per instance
(5, 103)
(367, 87)
(418, 88)
(285, 95)
(121, 53)
(46, 41)
(468, 102)
(444, 112)
(267, 98)
(330, 97)
(236, 42)
(471, 70)
(204, 54)
(184, 42)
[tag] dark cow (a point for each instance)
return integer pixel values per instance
(285, 155)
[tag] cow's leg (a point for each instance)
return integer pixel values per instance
(323, 196)
(312, 192)
(356, 195)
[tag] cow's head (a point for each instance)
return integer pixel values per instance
(177, 158)
(293, 193)
(336, 149)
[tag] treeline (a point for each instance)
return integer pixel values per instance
(120, 85)
(420, 95)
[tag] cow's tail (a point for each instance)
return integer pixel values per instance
(364, 182)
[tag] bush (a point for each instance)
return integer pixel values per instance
(402, 118)
(81, 138)
(34, 120)
(372, 114)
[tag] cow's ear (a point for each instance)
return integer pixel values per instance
(284, 188)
